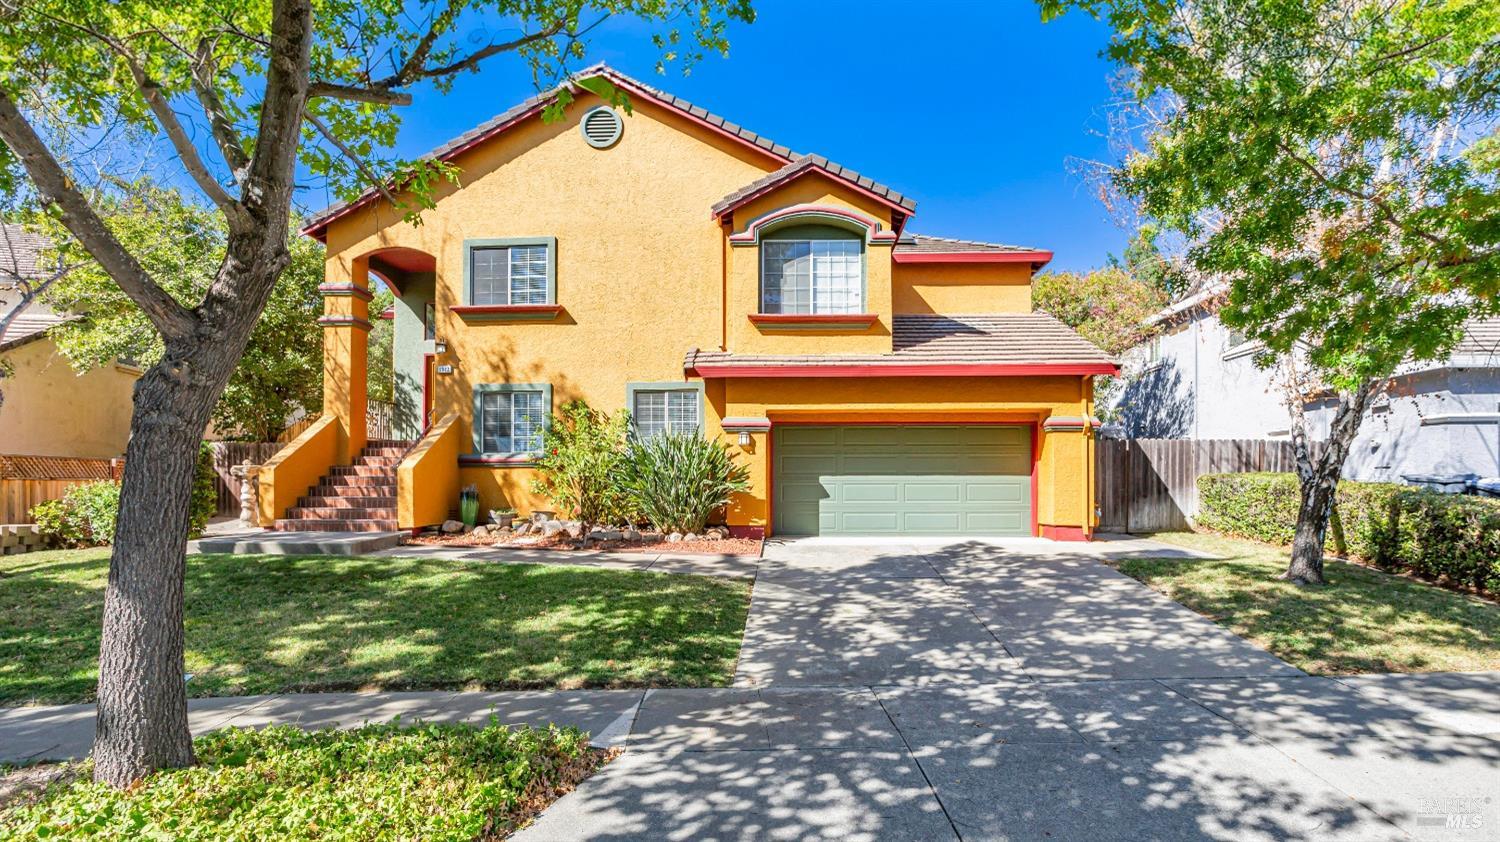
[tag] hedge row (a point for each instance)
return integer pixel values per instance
(1396, 527)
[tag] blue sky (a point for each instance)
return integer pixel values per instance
(972, 108)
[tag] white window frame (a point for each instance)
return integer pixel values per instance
(484, 394)
(853, 286)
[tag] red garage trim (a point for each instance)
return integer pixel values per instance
(1038, 258)
(710, 371)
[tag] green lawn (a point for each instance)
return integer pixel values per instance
(262, 624)
(1363, 621)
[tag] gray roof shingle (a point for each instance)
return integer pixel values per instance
(927, 244)
(991, 339)
(802, 164)
(29, 327)
(20, 252)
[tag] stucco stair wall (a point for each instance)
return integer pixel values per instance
(352, 498)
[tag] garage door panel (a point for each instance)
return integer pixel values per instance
(874, 480)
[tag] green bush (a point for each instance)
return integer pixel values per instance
(677, 481)
(205, 492)
(1396, 527)
(435, 782)
(580, 463)
(83, 517)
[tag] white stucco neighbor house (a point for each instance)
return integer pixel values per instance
(1198, 379)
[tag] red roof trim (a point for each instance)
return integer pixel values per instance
(1036, 257)
(317, 229)
(709, 371)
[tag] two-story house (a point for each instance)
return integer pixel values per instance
(668, 262)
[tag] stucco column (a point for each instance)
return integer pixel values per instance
(1065, 499)
(346, 334)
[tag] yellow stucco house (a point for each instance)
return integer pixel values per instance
(669, 262)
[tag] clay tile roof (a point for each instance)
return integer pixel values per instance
(20, 252)
(802, 164)
(505, 119)
(927, 244)
(1020, 339)
(29, 327)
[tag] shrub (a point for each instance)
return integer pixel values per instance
(205, 491)
(1260, 506)
(677, 481)
(580, 463)
(1396, 527)
(439, 782)
(83, 517)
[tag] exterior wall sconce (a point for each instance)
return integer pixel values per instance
(744, 438)
(440, 347)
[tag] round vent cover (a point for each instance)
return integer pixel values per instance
(601, 127)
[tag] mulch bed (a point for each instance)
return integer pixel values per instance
(564, 544)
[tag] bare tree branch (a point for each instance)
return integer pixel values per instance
(56, 188)
(377, 96)
(223, 130)
(182, 144)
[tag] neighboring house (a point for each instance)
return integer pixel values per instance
(49, 409)
(707, 279)
(1198, 379)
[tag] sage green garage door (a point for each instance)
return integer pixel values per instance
(902, 480)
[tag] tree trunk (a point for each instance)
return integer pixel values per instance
(1319, 482)
(142, 722)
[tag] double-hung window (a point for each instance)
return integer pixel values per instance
(510, 418)
(812, 276)
(510, 274)
(656, 411)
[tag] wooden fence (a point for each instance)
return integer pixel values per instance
(228, 454)
(28, 480)
(1151, 485)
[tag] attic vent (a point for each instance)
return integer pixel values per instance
(601, 127)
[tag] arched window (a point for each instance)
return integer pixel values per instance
(812, 269)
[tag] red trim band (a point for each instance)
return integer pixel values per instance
(1037, 258)
(711, 371)
(810, 169)
(473, 460)
(507, 309)
(343, 321)
(754, 533)
(751, 234)
(835, 319)
(1066, 533)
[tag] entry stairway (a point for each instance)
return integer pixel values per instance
(352, 498)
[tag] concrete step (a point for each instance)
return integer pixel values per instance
(320, 525)
(340, 513)
(302, 543)
(351, 501)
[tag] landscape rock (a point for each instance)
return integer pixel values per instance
(606, 535)
(452, 527)
(575, 529)
(551, 527)
(691, 536)
(674, 538)
(630, 535)
(522, 528)
(468, 529)
(481, 531)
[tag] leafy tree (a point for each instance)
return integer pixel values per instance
(240, 93)
(1334, 165)
(1108, 307)
(583, 453)
(181, 242)
(380, 371)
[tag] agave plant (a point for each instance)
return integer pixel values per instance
(678, 480)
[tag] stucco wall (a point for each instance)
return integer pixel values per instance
(50, 410)
(1194, 392)
(961, 289)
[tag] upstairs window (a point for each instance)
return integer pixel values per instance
(510, 272)
(666, 411)
(510, 419)
(812, 276)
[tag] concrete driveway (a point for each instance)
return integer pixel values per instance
(1025, 690)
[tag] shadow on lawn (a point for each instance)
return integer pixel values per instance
(1363, 621)
(269, 623)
